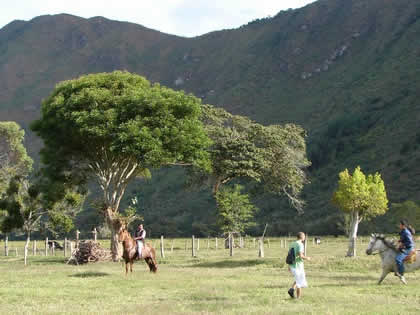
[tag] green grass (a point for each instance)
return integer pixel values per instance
(211, 283)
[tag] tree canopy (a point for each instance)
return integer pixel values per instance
(274, 155)
(358, 193)
(14, 160)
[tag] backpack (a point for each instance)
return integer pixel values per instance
(291, 257)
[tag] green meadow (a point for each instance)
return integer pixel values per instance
(210, 283)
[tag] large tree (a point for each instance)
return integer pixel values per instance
(274, 155)
(361, 198)
(113, 127)
(14, 160)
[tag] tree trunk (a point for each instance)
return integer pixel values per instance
(114, 224)
(354, 224)
(25, 254)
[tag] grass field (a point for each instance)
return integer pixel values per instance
(211, 283)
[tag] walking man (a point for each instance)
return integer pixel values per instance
(297, 268)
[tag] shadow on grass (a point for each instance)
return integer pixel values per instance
(89, 274)
(48, 260)
(348, 278)
(231, 263)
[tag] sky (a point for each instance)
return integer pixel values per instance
(178, 17)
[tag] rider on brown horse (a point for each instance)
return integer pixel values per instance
(139, 237)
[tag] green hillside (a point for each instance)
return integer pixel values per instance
(348, 71)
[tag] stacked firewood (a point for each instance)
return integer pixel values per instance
(89, 251)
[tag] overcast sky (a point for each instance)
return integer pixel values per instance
(180, 17)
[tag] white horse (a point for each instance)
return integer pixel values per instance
(388, 251)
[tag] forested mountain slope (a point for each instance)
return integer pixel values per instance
(348, 71)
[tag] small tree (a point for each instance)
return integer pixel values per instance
(61, 214)
(114, 127)
(24, 209)
(236, 212)
(361, 198)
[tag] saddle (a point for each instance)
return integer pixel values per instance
(411, 257)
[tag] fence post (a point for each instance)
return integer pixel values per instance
(46, 246)
(65, 246)
(34, 248)
(216, 245)
(231, 244)
(193, 246)
(77, 238)
(305, 245)
(53, 249)
(208, 243)
(198, 244)
(6, 245)
(95, 234)
(71, 248)
(16, 252)
(162, 250)
(260, 248)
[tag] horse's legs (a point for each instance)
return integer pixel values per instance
(384, 274)
(126, 268)
(131, 266)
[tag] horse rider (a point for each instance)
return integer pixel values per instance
(405, 245)
(139, 237)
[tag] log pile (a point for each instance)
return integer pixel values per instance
(89, 251)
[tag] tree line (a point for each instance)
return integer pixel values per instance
(111, 128)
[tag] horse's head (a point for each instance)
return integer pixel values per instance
(376, 243)
(122, 234)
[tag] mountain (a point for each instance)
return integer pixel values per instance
(346, 70)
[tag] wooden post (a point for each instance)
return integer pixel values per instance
(260, 248)
(6, 245)
(162, 250)
(216, 245)
(65, 246)
(193, 246)
(46, 246)
(16, 252)
(198, 244)
(34, 248)
(25, 250)
(71, 248)
(208, 243)
(231, 244)
(53, 249)
(95, 234)
(77, 238)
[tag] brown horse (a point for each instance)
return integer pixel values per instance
(130, 252)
